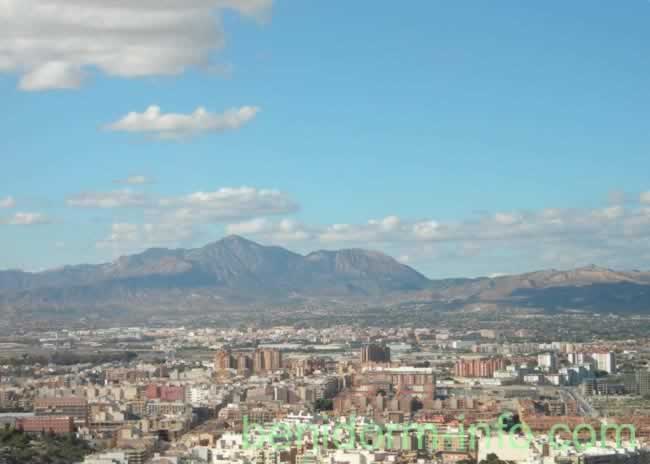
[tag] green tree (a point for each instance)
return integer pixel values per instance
(324, 405)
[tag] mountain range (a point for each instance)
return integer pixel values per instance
(235, 273)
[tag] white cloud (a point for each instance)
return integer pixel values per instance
(645, 198)
(179, 126)
(283, 231)
(7, 202)
(252, 227)
(388, 223)
(557, 237)
(52, 44)
(115, 199)
(427, 230)
(610, 213)
(225, 204)
(26, 219)
(291, 230)
(128, 237)
(347, 233)
(506, 219)
(611, 234)
(135, 180)
(229, 203)
(259, 9)
(171, 219)
(52, 75)
(123, 232)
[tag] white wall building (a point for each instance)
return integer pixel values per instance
(605, 361)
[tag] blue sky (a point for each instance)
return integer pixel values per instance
(476, 137)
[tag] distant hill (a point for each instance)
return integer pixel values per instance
(590, 288)
(235, 273)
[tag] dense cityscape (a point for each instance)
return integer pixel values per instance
(217, 395)
(321, 232)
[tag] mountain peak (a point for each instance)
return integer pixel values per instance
(348, 252)
(235, 238)
(237, 272)
(594, 268)
(232, 241)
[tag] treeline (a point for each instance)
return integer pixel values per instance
(68, 358)
(19, 448)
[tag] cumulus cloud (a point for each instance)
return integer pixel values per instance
(115, 199)
(53, 44)
(506, 219)
(613, 235)
(286, 230)
(126, 237)
(7, 202)
(228, 203)
(610, 213)
(135, 180)
(25, 219)
(645, 198)
(52, 75)
(252, 227)
(168, 220)
(388, 223)
(122, 232)
(427, 230)
(178, 126)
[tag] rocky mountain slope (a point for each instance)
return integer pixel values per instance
(238, 273)
(590, 288)
(231, 271)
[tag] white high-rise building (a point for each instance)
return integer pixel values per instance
(547, 361)
(605, 361)
(576, 358)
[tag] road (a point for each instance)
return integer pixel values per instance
(584, 407)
